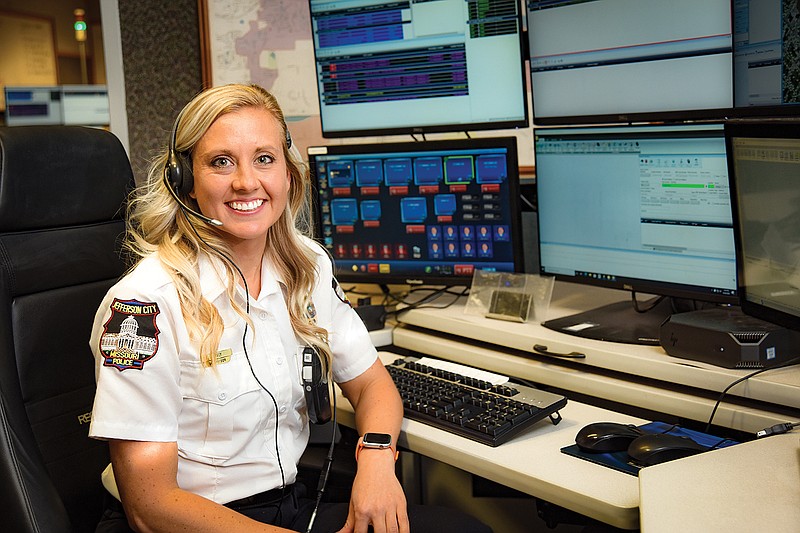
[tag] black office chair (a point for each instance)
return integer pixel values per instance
(62, 189)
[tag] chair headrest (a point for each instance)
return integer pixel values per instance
(54, 176)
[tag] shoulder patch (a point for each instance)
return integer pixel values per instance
(130, 336)
(337, 289)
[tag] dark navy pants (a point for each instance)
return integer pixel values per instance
(292, 510)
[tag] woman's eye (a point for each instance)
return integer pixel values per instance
(221, 162)
(264, 159)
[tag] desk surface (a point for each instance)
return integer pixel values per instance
(753, 486)
(533, 462)
(638, 375)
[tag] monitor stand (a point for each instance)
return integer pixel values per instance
(617, 322)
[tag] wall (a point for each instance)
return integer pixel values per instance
(68, 54)
(161, 56)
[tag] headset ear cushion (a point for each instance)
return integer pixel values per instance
(188, 176)
(179, 174)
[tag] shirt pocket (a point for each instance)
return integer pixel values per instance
(223, 410)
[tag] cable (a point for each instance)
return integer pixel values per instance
(424, 303)
(326, 468)
(652, 305)
(527, 202)
(421, 304)
(777, 429)
(748, 376)
(246, 353)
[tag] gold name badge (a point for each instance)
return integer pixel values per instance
(223, 356)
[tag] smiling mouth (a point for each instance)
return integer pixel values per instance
(246, 206)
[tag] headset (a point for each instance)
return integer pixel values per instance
(178, 173)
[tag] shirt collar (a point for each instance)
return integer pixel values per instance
(214, 279)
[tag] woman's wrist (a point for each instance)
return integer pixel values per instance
(376, 443)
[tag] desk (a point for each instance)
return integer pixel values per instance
(533, 463)
(753, 486)
(641, 376)
(381, 337)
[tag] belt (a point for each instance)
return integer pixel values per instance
(262, 498)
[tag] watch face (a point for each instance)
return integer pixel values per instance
(377, 439)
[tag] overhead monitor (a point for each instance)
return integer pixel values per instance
(420, 213)
(85, 105)
(33, 105)
(79, 105)
(640, 208)
(766, 45)
(625, 61)
(418, 66)
(765, 178)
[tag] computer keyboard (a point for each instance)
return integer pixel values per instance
(470, 407)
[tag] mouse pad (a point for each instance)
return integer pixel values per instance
(623, 463)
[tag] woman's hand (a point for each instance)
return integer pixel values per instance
(377, 498)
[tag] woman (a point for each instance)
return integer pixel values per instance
(199, 388)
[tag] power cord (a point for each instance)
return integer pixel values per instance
(777, 429)
(425, 302)
(743, 378)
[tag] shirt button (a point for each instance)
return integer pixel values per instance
(279, 360)
(222, 395)
(263, 315)
(283, 409)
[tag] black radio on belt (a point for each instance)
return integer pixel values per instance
(315, 386)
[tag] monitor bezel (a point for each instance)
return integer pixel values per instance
(507, 143)
(445, 127)
(758, 129)
(667, 117)
(640, 285)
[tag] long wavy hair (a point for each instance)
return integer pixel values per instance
(156, 223)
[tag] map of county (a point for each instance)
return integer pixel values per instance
(267, 42)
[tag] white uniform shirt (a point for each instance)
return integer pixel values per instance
(151, 385)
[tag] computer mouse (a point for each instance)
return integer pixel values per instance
(658, 448)
(602, 437)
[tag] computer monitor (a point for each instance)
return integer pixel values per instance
(640, 208)
(78, 105)
(419, 213)
(765, 179)
(766, 64)
(33, 105)
(629, 60)
(85, 105)
(413, 66)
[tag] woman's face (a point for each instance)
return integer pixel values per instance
(240, 174)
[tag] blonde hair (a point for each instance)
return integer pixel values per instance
(156, 223)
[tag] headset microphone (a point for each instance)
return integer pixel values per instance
(188, 210)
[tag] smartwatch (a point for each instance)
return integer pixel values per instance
(378, 441)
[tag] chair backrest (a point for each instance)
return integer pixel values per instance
(62, 193)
